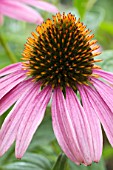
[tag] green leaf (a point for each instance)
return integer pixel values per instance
(61, 163)
(29, 161)
(20, 165)
(94, 166)
(38, 160)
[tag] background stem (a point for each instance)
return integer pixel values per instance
(8, 51)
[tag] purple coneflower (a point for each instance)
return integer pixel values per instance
(59, 63)
(19, 9)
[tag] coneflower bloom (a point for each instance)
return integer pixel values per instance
(58, 62)
(19, 9)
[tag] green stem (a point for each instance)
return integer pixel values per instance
(8, 51)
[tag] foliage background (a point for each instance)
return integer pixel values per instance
(43, 151)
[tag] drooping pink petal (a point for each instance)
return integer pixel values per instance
(94, 123)
(104, 74)
(81, 125)
(9, 82)
(41, 5)
(32, 118)
(71, 127)
(12, 96)
(102, 110)
(64, 134)
(10, 69)
(105, 91)
(20, 11)
(12, 122)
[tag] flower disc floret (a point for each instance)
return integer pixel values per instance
(60, 53)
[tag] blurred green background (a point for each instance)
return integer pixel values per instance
(44, 150)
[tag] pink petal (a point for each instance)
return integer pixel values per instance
(10, 69)
(19, 11)
(41, 5)
(12, 96)
(102, 110)
(94, 123)
(9, 82)
(4, 79)
(105, 91)
(12, 122)
(32, 118)
(61, 133)
(69, 127)
(104, 74)
(81, 125)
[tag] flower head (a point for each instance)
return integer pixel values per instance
(61, 53)
(18, 9)
(59, 62)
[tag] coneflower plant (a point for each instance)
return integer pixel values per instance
(59, 63)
